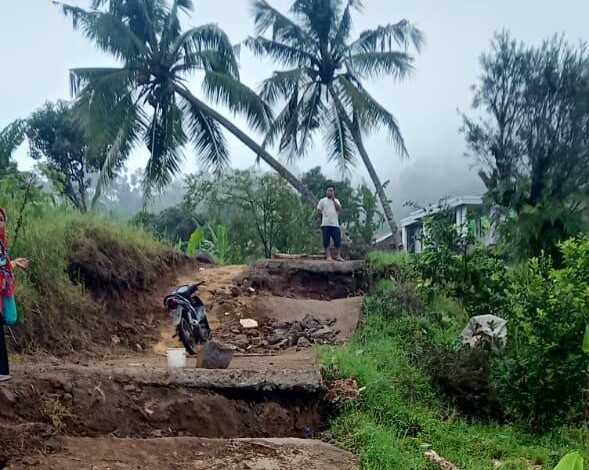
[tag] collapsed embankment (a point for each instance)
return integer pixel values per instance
(92, 287)
(78, 401)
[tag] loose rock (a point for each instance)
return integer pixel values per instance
(214, 355)
(303, 342)
(241, 341)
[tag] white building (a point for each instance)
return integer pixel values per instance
(468, 212)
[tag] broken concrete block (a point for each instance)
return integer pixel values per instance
(248, 323)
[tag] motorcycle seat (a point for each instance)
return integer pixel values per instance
(187, 291)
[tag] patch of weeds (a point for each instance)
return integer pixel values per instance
(57, 413)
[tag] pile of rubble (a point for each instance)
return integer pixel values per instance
(278, 335)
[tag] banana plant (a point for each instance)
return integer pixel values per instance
(196, 241)
(571, 461)
(213, 240)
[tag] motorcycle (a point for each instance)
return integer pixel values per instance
(189, 316)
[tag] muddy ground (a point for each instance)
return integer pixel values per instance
(129, 411)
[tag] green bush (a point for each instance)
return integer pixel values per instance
(452, 263)
(477, 277)
(542, 374)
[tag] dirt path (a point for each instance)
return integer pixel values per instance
(130, 412)
(193, 453)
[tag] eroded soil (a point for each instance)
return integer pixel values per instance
(129, 411)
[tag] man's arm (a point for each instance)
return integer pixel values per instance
(319, 211)
(338, 205)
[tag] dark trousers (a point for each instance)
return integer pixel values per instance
(331, 233)
(3, 351)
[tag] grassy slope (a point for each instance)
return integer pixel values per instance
(82, 268)
(400, 414)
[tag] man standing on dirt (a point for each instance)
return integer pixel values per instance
(329, 208)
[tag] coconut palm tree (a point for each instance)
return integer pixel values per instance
(321, 87)
(146, 98)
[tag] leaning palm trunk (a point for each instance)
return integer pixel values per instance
(388, 212)
(358, 141)
(249, 142)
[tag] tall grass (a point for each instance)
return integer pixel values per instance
(57, 313)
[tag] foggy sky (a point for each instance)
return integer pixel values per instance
(38, 47)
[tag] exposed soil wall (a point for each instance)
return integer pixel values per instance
(225, 404)
(308, 279)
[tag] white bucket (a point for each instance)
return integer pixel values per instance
(176, 358)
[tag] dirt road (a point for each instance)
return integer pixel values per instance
(192, 453)
(265, 412)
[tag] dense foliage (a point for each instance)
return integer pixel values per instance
(542, 374)
(540, 377)
(262, 214)
(403, 356)
(66, 156)
(531, 142)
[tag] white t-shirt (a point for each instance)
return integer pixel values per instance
(329, 217)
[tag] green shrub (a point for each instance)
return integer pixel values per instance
(477, 277)
(542, 374)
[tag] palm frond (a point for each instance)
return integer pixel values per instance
(283, 29)
(209, 59)
(123, 132)
(312, 112)
(319, 17)
(375, 64)
(282, 53)
(339, 142)
(107, 31)
(113, 78)
(345, 24)
(282, 84)
(240, 99)
(10, 138)
(370, 114)
(384, 38)
(278, 124)
(164, 138)
(102, 95)
(186, 5)
(171, 29)
(207, 37)
(207, 137)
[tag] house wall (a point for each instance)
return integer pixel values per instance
(466, 216)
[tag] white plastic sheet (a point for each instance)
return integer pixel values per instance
(488, 328)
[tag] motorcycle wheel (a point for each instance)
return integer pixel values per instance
(186, 336)
(207, 334)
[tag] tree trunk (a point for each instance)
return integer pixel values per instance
(249, 142)
(388, 212)
(357, 136)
